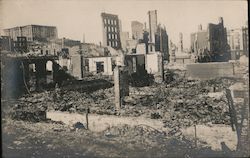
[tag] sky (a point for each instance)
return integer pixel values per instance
(73, 18)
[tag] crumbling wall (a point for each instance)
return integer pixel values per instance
(154, 65)
(76, 66)
(205, 71)
(107, 64)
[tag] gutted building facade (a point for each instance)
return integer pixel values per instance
(33, 32)
(211, 44)
(152, 15)
(161, 42)
(137, 30)
(111, 30)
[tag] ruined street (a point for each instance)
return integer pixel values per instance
(126, 79)
(154, 121)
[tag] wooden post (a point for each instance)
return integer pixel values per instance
(87, 119)
(195, 136)
(234, 121)
(117, 88)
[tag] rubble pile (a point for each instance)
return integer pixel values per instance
(74, 101)
(191, 104)
(126, 130)
(141, 134)
(184, 104)
(32, 108)
(149, 139)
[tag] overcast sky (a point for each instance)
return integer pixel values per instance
(74, 18)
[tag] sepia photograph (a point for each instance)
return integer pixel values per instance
(124, 78)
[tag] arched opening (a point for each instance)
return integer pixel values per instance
(49, 71)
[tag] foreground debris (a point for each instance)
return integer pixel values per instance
(178, 105)
(53, 139)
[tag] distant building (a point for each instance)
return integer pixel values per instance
(137, 30)
(145, 40)
(111, 30)
(124, 36)
(180, 45)
(199, 40)
(172, 57)
(245, 40)
(6, 43)
(131, 46)
(20, 45)
(32, 32)
(65, 42)
(211, 44)
(152, 25)
(180, 56)
(238, 42)
(161, 42)
(217, 36)
(235, 41)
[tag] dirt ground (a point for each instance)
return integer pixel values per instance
(53, 139)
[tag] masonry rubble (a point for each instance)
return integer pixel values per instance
(184, 104)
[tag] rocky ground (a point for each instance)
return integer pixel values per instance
(179, 103)
(182, 104)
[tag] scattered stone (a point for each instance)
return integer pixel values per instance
(155, 116)
(17, 142)
(78, 125)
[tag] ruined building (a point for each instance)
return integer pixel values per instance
(238, 42)
(161, 42)
(172, 57)
(245, 41)
(137, 30)
(6, 43)
(217, 40)
(146, 39)
(20, 45)
(181, 56)
(210, 44)
(111, 30)
(32, 32)
(180, 44)
(124, 36)
(235, 41)
(152, 15)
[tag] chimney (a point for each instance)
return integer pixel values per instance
(200, 27)
(220, 20)
(63, 42)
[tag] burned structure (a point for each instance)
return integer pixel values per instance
(6, 43)
(137, 30)
(32, 32)
(28, 74)
(161, 42)
(238, 42)
(211, 44)
(111, 30)
(160, 104)
(245, 40)
(152, 15)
